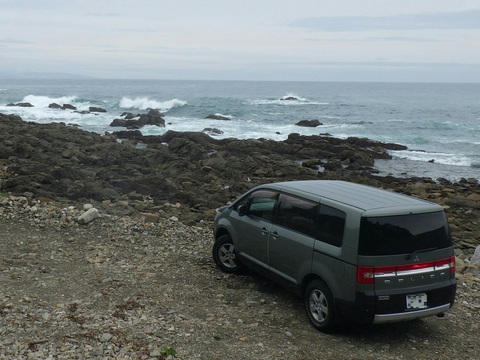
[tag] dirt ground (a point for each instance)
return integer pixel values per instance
(120, 288)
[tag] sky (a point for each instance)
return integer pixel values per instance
(301, 40)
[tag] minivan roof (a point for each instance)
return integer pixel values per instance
(366, 198)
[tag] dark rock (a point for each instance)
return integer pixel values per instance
(333, 165)
(186, 147)
(55, 106)
(69, 107)
(129, 115)
(312, 163)
(153, 117)
(96, 109)
(309, 123)
(155, 112)
(212, 131)
(200, 171)
(132, 134)
(367, 143)
(289, 98)
(196, 137)
(217, 117)
(119, 123)
(22, 104)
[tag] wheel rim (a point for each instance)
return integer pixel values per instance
(318, 306)
(226, 254)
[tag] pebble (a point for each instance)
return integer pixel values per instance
(106, 337)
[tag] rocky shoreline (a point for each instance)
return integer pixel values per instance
(148, 173)
(138, 280)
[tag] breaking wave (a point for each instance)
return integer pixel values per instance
(144, 103)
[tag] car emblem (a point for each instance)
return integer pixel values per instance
(416, 259)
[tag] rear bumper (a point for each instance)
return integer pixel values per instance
(371, 308)
(418, 314)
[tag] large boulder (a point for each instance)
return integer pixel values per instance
(21, 104)
(153, 117)
(96, 109)
(217, 117)
(309, 123)
(69, 107)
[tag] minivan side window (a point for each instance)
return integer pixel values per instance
(262, 204)
(331, 224)
(297, 214)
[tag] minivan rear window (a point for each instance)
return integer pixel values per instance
(406, 234)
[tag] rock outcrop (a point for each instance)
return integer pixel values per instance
(309, 123)
(200, 172)
(153, 117)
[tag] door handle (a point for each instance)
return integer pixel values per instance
(264, 231)
(275, 235)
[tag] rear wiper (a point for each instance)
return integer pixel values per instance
(409, 256)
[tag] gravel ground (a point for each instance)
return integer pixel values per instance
(123, 288)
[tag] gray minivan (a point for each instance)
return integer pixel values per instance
(352, 251)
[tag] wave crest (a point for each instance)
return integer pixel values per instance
(44, 101)
(144, 103)
(437, 157)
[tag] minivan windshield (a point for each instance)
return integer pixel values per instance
(406, 234)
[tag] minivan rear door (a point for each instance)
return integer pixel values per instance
(291, 238)
(409, 259)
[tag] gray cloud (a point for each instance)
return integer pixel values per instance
(15, 41)
(445, 20)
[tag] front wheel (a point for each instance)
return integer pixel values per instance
(225, 256)
(319, 305)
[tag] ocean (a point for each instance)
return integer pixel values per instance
(440, 123)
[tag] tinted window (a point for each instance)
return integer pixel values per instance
(297, 214)
(403, 234)
(242, 201)
(262, 204)
(331, 223)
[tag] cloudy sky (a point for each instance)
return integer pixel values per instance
(340, 40)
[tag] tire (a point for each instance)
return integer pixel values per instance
(319, 305)
(225, 256)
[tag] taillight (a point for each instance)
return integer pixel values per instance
(446, 264)
(367, 274)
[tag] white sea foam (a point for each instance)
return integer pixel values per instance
(289, 99)
(144, 103)
(437, 157)
(44, 101)
(284, 102)
(293, 96)
(224, 116)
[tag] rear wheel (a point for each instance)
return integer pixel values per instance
(225, 255)
(319, 305)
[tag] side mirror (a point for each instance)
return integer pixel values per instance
(242, 210)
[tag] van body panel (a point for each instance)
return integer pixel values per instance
(252, 234)
(290, 253)
(337, 274)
